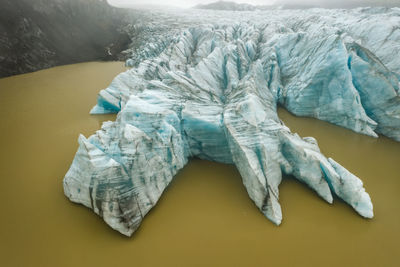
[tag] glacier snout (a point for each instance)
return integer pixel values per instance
(212, 92)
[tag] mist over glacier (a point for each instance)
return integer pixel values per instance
(207, 84)
(259, 3)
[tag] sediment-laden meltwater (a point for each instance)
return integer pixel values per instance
(204, 218)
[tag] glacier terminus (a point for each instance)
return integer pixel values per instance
(207, 84)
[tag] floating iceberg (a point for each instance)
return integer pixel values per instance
(212, 92)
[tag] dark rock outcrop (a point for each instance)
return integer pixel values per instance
(44, 33)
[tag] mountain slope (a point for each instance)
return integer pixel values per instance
(44, 33)
(226, 5)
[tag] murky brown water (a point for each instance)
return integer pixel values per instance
(204, 219)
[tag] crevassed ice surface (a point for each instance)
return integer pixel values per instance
(207, 84)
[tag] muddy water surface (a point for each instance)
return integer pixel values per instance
(205, 217)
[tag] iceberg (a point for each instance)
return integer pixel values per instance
(212, 91)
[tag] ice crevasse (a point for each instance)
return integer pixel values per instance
(212, 93)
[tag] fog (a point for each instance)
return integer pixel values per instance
(295, 3)
(182, 3)
(339, 3)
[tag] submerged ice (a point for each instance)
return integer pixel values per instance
(211, 91)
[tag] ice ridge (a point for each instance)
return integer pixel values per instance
(212, 92)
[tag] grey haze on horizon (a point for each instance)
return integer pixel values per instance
(338, 3)
(288, 3)
(183, 3)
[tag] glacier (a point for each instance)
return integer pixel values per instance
(209, 87)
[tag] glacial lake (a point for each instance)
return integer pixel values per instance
(204, 218)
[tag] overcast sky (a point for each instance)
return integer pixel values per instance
(185, 3)
(191, 3)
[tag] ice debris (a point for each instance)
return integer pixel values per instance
(212, 92)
